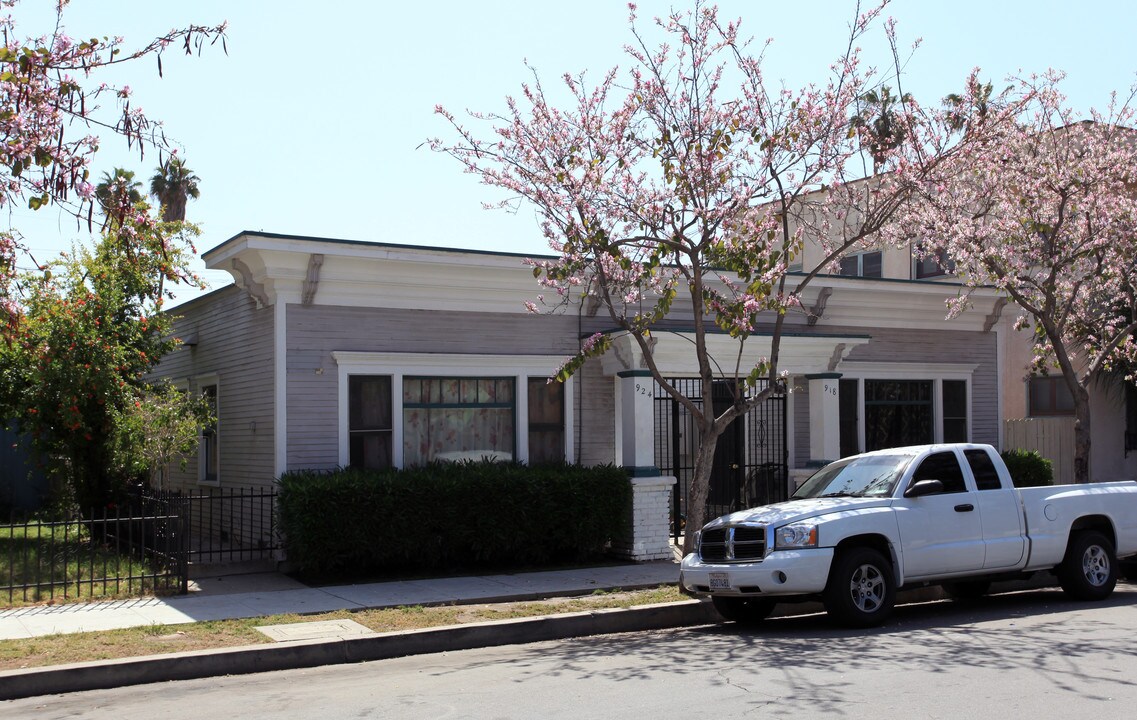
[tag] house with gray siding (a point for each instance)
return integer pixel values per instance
(326, 353)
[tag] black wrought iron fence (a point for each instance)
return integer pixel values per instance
(121, 552)
(147, 545)
(226, 525)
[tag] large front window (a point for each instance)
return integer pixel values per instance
(908, 408)
(898, 413)
(458, 419)
(408, 409)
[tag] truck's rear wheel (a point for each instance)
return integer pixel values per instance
(861, 589)
(1089, 570)
(743, 610)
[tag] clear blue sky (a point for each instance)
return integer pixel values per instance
(311, 125)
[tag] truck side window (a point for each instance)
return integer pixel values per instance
(942, 466)
(986, 476)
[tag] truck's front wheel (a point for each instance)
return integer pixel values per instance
(747, 611)
(861, 589)
(1089, 570)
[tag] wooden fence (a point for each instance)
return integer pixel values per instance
(1052, 437)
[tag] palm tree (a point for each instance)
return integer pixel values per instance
(117, 193)
(173, 184)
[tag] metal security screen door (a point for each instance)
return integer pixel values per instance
(750, 465)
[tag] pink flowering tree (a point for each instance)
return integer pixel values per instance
(1044, 210)
(81, 331)
(688, 185)
(54, 110)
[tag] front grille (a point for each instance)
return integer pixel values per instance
(733, 543)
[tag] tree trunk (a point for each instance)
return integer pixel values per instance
(1081, 434)
(700, 488)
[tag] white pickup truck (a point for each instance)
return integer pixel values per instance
(864, 526)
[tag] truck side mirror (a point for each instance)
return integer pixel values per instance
(924, 487)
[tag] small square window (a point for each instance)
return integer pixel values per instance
(1049, 396)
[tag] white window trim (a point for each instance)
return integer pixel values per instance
(200, 382)
(936, 372)
(398, 365)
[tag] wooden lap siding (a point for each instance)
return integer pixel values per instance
(234, 342)
(316, 331)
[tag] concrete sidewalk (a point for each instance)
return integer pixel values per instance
(256, 595)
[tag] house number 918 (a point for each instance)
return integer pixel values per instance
(829, 389)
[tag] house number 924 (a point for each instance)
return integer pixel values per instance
(642, 389)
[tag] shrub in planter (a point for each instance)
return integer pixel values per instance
(1028, 468)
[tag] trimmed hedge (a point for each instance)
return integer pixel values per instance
(353, 523)
(1028, 468)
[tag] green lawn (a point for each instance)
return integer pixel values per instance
(62, 561)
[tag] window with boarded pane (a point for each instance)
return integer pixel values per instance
(369, 421)
(546, 421)
(955, 410)
(898, 413)
(458, 418)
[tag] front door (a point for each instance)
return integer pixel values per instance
(727, 471)
(941, 533)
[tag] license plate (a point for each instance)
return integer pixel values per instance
(720, 581)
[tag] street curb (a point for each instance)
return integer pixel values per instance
(108, 674)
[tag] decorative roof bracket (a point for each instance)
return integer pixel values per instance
(818, 309)
(255, 289)
(312, 280)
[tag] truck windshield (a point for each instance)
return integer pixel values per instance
(865, 476)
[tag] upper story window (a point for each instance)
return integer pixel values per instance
(866, 264)
(933, 266)
(1049, 395)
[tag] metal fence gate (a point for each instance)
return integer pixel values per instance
(750, 464)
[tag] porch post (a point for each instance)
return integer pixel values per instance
(824, 418)
(648, 536)
(637, 395)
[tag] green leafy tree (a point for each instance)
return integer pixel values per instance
(160, 427)
(173, 185)
(77, 334)
(90, 328)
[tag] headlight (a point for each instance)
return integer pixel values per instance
(799, 535)
(698, 540)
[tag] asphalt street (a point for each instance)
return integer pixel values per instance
(1023, 655)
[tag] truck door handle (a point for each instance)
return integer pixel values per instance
(967, 507)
